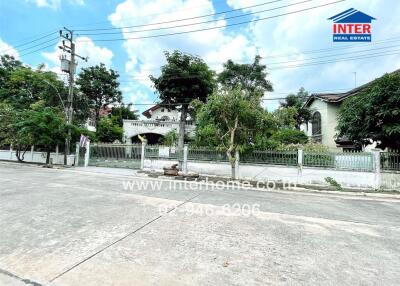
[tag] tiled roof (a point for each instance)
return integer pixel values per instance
(338, 97)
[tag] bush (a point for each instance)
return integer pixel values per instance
(107, 131)
(290, 136)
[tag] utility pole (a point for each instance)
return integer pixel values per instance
(69, 66)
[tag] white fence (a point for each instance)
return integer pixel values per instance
(37, 157)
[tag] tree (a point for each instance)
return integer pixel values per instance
(229, 120)
(183, 79)
(250, 77)
(100, 86)
(289, 136)
(21, 86)
(373, 114)
(119, 113)
(44, 126)
(107, 131)
(286, 117)
(303, 114)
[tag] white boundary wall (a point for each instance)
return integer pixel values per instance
(304, 175)
(37, 157)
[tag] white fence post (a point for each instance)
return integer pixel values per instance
(142, 155)
(377, 167)
(87, 154)
(32, 149)
(300, 157)
(56, 154)
(185, 158)
(237, 165)
(11, 150)
(77, 155)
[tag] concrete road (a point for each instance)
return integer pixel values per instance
(76, 227)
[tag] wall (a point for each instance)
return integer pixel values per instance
(158, 114)
(328, 121)
(37, 157)
(305, 175)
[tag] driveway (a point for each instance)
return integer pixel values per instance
(86, 227)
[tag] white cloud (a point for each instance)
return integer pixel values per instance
(310, 30)
(147, 55)
(6, 49)
(85, 47)
(55, 4)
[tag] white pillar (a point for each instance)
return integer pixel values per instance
(142, 155)
(77, 155)
(32, 149)
(11, 150)
(300, 157)
(56, 154)
(376, 153)
(185, 158)
(237, 165)
(87, 154)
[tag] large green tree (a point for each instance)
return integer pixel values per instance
(100, 86)
(250, 77)
(43, 126)
(232, 121)
(373, 114)
(183, 79)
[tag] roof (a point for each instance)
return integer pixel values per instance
(340, 96)
(148, 112)
(352, 16)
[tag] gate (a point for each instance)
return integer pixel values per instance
(115, 155)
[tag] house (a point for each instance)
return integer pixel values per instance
(322, 126)
(159, 121)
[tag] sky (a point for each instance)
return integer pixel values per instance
(296, 46)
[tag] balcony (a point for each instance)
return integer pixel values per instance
(135, 127)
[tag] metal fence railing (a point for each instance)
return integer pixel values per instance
(355, 161)
(162, 152)
(129, 155)
(115, 155)
(390, 161)
(206, 154)
(288, 158)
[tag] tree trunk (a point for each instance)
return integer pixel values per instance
(48, 156)
(181, 139)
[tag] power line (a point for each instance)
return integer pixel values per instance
(146, 16)
(40, 49)
(37, 45)
(216, 27)
(182, 19)
(329, 56)
(394, 52)
(27, 43)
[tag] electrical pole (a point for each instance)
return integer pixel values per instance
(69, 66)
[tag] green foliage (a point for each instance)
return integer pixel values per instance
(170, 138)
(183, 79)
(100, 86)
(289, 136)
(308, 147)
(107, 131)
(296, 101)
(8, 116)
(373, 113)
(286, 117)
(118, 114)
(21, 86)
(334, 184)
(250, 77)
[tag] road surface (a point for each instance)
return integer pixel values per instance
(85, 227)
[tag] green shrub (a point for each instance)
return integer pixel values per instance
(290, 136)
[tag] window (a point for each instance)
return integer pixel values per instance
(316, 126)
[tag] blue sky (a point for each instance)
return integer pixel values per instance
(283, 41)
